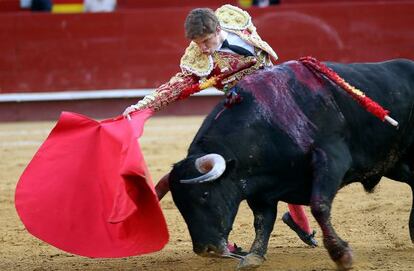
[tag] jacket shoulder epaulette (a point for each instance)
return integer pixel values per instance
(233, 18)
(194, 61)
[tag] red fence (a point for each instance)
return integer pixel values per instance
(141, 48)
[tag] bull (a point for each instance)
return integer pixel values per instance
(296, 137)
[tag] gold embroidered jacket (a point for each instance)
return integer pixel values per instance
(196, 66)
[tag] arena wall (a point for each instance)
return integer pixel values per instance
(140, 47)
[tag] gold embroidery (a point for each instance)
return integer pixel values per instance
(224, 60)
(167, 92)
(232, 17)
(235, 78)
(221, 62)
(234, 20)
(195, 61)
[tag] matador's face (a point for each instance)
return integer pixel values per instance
(209, 43)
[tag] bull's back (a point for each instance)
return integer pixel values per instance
(291, 110)
(310, 109)
(390, 83)
(375, 144)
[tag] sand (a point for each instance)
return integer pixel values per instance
(376, 225)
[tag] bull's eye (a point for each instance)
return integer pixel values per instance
(204, 196)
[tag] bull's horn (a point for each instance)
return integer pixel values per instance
(162, 187)
(213, 165)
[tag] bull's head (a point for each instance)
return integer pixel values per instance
(208, 202)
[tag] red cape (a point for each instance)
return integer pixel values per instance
(87, 189)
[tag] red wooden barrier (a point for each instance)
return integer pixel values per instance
(139, 4)
(141, 48)
(10, 5)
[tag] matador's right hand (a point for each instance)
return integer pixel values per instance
(130, 109)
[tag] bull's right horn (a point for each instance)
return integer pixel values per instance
(213, 165)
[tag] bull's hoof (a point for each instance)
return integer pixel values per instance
(345, 262)
(250, 261)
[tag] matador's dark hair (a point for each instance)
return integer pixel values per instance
(200, 22)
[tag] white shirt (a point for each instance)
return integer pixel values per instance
(233, 39)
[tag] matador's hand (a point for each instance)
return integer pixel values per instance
(130, 109)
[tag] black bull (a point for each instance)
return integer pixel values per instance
(295, 137)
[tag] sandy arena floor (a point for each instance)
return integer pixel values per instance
(375, 225)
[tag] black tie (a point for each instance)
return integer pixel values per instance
(237, 49)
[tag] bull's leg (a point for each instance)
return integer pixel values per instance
(264, 220)
(402, 172)
(330, 164)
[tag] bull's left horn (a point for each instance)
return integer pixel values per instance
(213, 165)
(163, 186)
